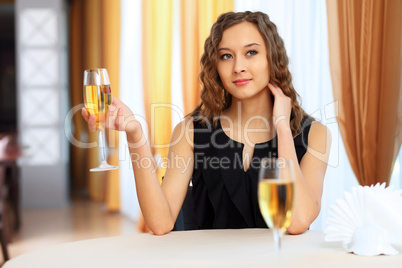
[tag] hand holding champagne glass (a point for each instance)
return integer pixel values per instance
(97, 98)
(276, 195)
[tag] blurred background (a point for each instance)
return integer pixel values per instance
(151, 50)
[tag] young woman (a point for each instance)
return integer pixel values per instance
(249, 110)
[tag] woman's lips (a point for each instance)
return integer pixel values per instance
(241, 82)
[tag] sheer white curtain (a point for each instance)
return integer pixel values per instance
(303, 26)
(131, 93)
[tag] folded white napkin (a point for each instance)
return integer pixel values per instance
(368, 220)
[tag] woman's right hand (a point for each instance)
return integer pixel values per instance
(119, 117)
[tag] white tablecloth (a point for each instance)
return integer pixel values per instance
(206, 248)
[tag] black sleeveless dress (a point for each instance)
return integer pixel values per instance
(224, 196)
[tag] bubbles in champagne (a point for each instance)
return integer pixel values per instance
(275, 199)
(97, 99)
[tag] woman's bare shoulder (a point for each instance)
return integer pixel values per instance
(319, 140)
(183, 133)
(317, 129)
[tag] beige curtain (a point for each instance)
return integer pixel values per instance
(94, 42)
(189, 54)
(111, 61)
(157, 29)
(365, 62)
(78, 156)
(197, 18)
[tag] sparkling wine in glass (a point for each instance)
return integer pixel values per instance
(97, 98)
(276, 195)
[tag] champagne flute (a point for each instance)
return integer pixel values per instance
(97, 98)
(276, 195)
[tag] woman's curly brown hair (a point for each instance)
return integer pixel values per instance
(214, 98)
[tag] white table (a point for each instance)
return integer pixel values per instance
(206, 248)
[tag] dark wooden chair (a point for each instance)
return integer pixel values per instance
(5, 235)
(12, 181)
(4, 226)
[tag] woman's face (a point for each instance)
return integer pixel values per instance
(242, 61)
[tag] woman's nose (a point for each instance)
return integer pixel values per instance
(239, 66)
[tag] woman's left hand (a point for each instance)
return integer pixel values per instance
(282, 107)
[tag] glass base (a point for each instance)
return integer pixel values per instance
(103, 167)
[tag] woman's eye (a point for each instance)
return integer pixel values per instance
(226, 56)
(252, 52)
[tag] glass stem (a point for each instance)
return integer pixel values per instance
(277, 239)
(102, 145)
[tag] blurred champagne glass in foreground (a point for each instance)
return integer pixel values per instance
(97, 98)
(276, 195)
